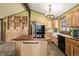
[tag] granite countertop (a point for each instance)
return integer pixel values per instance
(28, 38)
(23, 37)
(68, 36)
(55, 34)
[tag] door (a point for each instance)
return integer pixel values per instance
(4, 31)
(1, 30)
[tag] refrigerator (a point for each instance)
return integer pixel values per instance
(38, 31)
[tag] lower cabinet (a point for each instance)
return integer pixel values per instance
(31, 48)
(55, 41)
(72, 47)
(69, 47)
(76, 49)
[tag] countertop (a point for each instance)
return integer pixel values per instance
(68, 36)
(55, 34)
(28, 38)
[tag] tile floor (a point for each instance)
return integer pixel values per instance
(53, 50)
(8, 49)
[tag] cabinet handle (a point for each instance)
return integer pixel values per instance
(30, 42)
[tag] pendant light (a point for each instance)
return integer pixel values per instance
(50, 12)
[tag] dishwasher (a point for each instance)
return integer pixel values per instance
(61, 43)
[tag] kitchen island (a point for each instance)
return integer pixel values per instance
(28, 46)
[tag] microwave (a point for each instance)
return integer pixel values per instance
(75, 33)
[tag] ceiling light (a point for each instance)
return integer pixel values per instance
(50, 12)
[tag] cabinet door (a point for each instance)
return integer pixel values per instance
(30, 49)
(55, 41)
(76, 49)
(69, 19)
(75, 18)
(34, 48)
(69, 47)
(77, 15)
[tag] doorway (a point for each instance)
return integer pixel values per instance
(1, 30)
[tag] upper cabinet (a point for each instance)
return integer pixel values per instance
(69, 18)
(17, 21)
(73, 17)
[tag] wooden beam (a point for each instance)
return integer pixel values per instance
(26, 6)
(29, 15)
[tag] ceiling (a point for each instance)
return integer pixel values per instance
(7, 9)
(57, 8)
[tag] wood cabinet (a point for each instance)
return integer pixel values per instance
(16, 21)
(15, 26)
(31, 48)
(69, 19)
(69, 47)
(55, 40)
(72, 47)
(76, 49)
(48, 36)
(73, 17)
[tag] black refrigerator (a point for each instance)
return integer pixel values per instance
(39, 31)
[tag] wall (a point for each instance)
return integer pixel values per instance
(13, 33)
(35, 16)
(40, 18)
